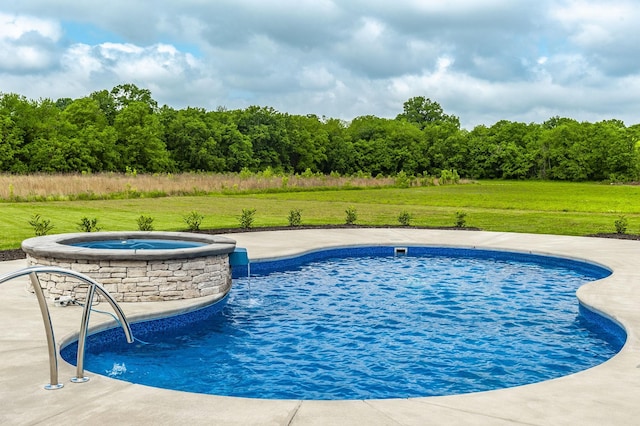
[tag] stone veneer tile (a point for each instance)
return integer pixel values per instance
(136, 281)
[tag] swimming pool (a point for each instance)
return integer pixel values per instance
(486, 323)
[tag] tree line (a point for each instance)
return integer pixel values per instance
(124, 129)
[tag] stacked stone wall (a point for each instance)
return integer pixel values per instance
(140, 280)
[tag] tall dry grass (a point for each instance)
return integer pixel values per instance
(39, 187)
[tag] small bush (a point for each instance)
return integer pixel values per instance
(352, 215)
(402, 180)
(621, 225)
(193, 221)
(427, 180)
(267, 173)
(295, 217)
(461, 219)
(405, 218)
(449, 177)
(247, 218)
(245, 173)
(40, 226)
(145, 223)
(88, 225)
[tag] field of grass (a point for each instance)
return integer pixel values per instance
(535, 207)
(65, 187)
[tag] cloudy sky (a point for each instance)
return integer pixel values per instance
(482, 60)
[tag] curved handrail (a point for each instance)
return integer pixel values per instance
(94, 286)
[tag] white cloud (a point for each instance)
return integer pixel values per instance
(27, 44)
(604, 32)
(115, 50)
(316, 77)
(13, 27)
(483, 60)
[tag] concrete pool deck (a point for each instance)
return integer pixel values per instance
(608, 394)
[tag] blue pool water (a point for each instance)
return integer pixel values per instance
(368, 326)
(139, 244)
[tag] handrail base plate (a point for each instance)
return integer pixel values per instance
(53, 387)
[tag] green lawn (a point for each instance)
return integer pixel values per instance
(536, 207)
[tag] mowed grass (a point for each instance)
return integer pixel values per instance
(535, 207)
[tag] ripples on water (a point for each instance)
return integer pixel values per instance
(376, 327)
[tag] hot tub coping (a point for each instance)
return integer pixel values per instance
(59, 246)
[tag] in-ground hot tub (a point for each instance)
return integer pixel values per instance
(136, 266)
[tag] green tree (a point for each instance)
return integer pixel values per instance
(634, 136)
(192, 142)
(408, 148)
(450, 152)
(308, 142)
(340, 152)
(44, 140)
(611, 147)
(106, 103)
(126, 94)
(373, 154)
(502, 151)
(123, 129)
(139, 140)
(240, 150)
(63, 103)
(438, 131)
(91, 141)
(423, 112)
(15, 114)
(266, 131)
(564, 151)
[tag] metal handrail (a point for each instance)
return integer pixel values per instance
(33, 271)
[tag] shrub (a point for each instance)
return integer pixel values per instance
(131, 192)
(295, 217)
(621, 225)
(88, 225)
(193, 221)
(449, 176)
(427, 180)
(247, 218)
(40, 226)
(352, 215)
(245, 173)
(145, 223)
(267, 173)
(405, 218)
(402, 180)
(461, 220)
